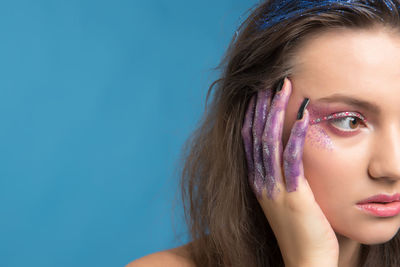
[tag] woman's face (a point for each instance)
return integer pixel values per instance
(349, 159)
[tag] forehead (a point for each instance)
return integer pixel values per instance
(349, 61)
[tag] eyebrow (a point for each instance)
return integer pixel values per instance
(338, 98)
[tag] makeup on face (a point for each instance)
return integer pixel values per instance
(340, 115)
(343, 117)
(318, 137)
(338, 119)
(339, 107)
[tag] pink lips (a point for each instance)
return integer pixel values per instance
(381, 205)
(381, 198)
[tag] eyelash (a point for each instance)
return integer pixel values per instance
(340, 115)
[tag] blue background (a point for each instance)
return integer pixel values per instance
(96, 100)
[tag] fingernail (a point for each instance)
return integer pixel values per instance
(302, 108)
(280, 85)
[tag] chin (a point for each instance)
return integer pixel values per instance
(373, 234)
(376, 239)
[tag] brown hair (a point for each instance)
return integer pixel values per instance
(226, 223)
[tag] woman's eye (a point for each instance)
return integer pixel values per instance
(347, 123)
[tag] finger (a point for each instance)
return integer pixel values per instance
(272, 140)
(260, 117)
(292, 157)
(247, 135)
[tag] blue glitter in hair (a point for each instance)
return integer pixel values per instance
(288, 9)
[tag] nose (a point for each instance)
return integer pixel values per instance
(385, 160)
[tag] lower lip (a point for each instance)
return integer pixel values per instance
(381, 210)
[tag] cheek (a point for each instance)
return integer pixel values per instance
(324, 168)
(337, 177)
(334, 172)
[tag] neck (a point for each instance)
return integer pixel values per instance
(349, 252)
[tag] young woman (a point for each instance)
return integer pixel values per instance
(297, 159)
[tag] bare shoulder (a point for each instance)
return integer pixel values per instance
(176, 257)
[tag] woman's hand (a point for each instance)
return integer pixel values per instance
(276, 176)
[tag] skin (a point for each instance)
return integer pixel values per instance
(364, 65)
(349, 162)
(264, 165)
(336, 170)
(275, 172)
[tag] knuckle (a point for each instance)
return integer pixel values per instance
(291, 156)
(259, 170)
(245, 132)
(267, 138)
(292, 204)
(268, 150)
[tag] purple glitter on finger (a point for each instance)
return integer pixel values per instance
(293, 164)
(260, 116)
(272, 141)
